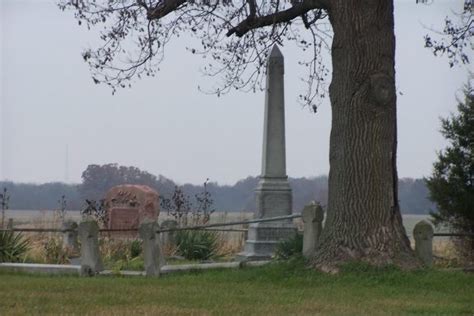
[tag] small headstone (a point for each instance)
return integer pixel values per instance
(129, 205)
(423, 234)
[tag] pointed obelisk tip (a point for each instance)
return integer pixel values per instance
(276, 53)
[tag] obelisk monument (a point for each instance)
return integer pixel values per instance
(273, 193)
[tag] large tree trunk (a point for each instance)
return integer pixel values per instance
(363, 217)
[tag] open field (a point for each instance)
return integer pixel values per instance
(22, 217)
(45, 217)
(277, 289)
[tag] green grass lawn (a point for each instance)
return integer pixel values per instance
(276, 289)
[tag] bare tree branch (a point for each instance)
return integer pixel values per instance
(135, 33)
(252, 22)
(456, 37)
(163, 8)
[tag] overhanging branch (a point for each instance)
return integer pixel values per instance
(164, 8)
(254, 22)
(252, 7)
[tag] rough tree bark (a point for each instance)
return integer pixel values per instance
(363, 216)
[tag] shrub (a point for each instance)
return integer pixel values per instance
(133, 264)
(196, 244)
(451, 184)
(12, 246)
(290, 247)
(136, 248)
(54, 251)
(120, 254)
(114, 249)
(184, 211)
(96, 210)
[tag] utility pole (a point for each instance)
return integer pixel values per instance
(66, 166)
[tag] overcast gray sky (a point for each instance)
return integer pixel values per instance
(166, 126)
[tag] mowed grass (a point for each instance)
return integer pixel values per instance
(277, 289)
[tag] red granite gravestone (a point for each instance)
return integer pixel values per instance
(128, 205)
(123, 218)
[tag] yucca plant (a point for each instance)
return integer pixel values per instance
(136, 248)
(12, 246)
(291, 247)
(196, 244)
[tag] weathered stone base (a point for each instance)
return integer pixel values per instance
(274, 198)
(263, 239)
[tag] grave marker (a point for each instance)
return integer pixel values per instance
(273, 193)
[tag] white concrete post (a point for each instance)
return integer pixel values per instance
(10, 224)
(423, 234)
(313, 216)
(91, 262)
(152, 254)
(70, 235)
(168, 238)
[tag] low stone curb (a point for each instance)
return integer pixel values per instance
(62, 269)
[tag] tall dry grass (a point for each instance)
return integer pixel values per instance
(46, 247)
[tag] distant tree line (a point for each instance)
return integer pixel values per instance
(98, 179)
(47, 196)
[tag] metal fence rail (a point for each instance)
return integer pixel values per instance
(197, 227)
(209, 227)
(37, 230)
(260, 220)
(453, 235)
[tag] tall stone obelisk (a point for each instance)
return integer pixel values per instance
(273, 193)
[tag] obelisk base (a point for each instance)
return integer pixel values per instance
(274, 199)
(263, 239)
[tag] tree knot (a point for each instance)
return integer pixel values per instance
(382, 88)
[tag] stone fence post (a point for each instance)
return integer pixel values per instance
(152, 253)
(313, 216)
(10, 224)
(423, 234)
(70, 236)
(91, 262)
(168, 238)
